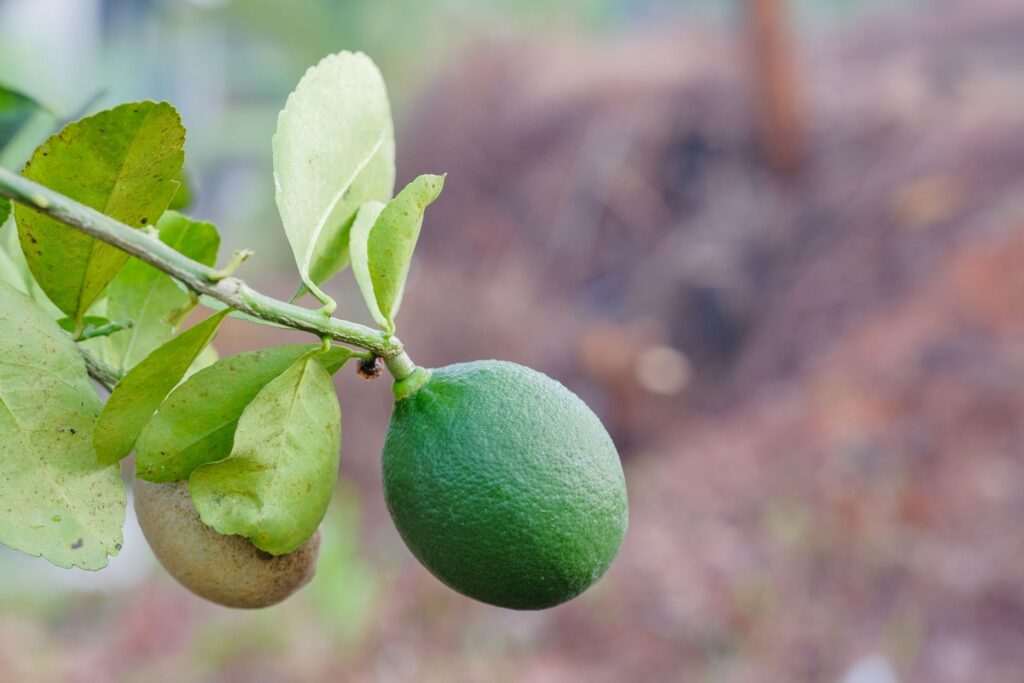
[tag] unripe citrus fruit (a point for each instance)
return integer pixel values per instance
(503, 483)
(228, 570)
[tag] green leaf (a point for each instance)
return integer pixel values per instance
(334, 150)
(5, 209)
(196, 424)
(122, 162)
(16, 110)
(382, 252)
(68, 325)
(137, 396)
(11, 274)
(14, 271)
(56, 500)
(359, 248)
(205, 359)
(275, 486)
(24, 123)
(183, 197)
(146, 296)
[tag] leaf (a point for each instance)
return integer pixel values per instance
(146, 296)
(16, 110)
(196, 424)
(24, 123)
(334, 150)
(14, 271)
(68, 325)
(122, 162)
(137, 396)
(381, 253)
(205, 359)
(275, 486)
(359, 248)
(182, 199)
(5, 209)
(56, 501)
(11, 274)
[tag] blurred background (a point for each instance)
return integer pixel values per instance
(777, 246)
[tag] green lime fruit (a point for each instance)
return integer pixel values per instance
(228, 570)
(503, 483)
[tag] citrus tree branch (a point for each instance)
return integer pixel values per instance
(198, 277)
(100, 371)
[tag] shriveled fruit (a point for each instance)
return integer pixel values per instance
(503, 483)
(228, 570)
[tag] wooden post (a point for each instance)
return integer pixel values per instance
(774, 75)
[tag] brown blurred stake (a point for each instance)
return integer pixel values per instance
(773, 71)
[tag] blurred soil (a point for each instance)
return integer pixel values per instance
(839, 471)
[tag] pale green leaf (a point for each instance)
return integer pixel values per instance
(182, 199)
(122, 162)
(24, 123)
(56, 501)
(381, 253)
(359, 248)
(275, 486)
(14, 271)
(10, 273)
(205, 359)
(147, 297)
(68, 325)
(333, 151)
(137, 396)
(16, 111)
(196, 424)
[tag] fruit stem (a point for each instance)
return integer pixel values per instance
(400, 366)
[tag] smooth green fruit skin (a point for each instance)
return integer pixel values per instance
(504, 484)
(228, 570)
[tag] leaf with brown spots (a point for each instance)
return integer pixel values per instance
(56, 501)
(123, 162)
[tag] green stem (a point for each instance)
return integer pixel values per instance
(227, 271)
(400, 366)
(91, 331)
(194, 275)
(100, 371)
